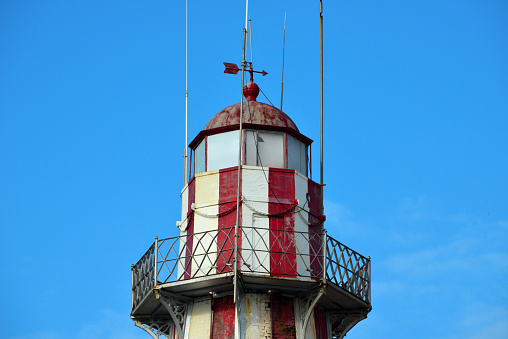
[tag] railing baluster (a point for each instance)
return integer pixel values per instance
(156, 256)
(324, 254)
(133, 287)
(369, 280)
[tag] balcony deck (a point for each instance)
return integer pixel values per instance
(196, 265)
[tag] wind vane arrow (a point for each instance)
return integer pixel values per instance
(233, 69)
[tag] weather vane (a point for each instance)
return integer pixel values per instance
(233, 69)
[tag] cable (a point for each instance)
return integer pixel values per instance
(259, 158)
(266, 97)
(292, 209)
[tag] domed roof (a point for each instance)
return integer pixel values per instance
(256, 113)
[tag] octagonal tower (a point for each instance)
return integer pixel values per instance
(292, 279)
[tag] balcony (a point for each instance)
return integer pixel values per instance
(201, 263)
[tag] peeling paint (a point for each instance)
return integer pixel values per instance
(223, 318)
(257, 316)
(228, 183)
(283, 317)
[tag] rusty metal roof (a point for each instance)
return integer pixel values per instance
(256, 113)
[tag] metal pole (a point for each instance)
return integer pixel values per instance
(239, 173)
(186, 102)
(321, 137)
(133, 293)
(324, 255)
(370, 279)
(250, 38)
(310, 161)
(282, 78)
(156, 255)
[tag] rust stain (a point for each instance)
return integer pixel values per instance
(247, 306)
(257, 113)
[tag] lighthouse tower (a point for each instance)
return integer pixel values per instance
(253, 259)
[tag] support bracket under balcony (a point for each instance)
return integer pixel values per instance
(340, 322)
(306, 304)
(176, 307)
(156, 329)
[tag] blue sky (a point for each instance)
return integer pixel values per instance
(416, 155)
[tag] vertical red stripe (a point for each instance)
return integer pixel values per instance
(191, 198)
(320, 321)
(283, 317)
(191, 162)
(316, 241)
(223, 318)
(281, 195)
(228, 182)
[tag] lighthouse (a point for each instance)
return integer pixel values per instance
(253, 258)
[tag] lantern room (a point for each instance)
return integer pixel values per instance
(270, 138)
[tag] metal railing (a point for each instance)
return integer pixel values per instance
(143, 277)
(348, 269)
(261, 251)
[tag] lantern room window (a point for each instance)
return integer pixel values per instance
(222, 150)
(262, 148)
(297, 155)
(200, 163)
(270, 149)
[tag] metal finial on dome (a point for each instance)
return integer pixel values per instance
(251, 91)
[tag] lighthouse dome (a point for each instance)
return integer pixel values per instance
(270, 138)
(255, 113)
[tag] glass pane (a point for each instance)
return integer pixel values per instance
(251, 155)
(271, 149)
(222, 150)
(297, 158)
(200, 158)
(303, 159)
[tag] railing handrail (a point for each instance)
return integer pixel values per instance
(247, 227)
(349, 248)
(232, 227)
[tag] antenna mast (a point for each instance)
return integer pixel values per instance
(250, 34)
(283, 47)
(186, 103)
(239, 174)
(321, 137)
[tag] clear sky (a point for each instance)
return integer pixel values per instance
(92, 101)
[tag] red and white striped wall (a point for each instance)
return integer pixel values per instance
(266, 194)
(261, 315)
